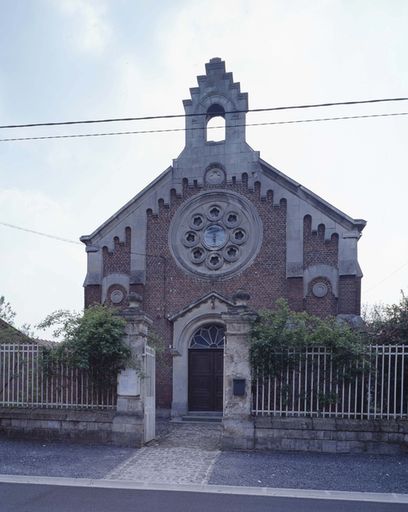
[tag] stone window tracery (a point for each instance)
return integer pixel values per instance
(209, 336)
(220, 233)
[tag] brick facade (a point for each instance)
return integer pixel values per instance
(119, 259)
(307, 253)
(182, 288)
(315, 248)
(168, 289)
(93, 294)
(349, 295)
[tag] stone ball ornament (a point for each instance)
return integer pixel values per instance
(215, 233)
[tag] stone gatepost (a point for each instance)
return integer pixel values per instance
(238, 424)
(128, 423)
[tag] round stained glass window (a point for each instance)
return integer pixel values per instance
(215, 236)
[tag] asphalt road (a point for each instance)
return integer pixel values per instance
(43, 458)
(340, 472)
(51, 498)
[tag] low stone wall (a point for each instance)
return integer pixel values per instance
(331, 435)
(86, 426)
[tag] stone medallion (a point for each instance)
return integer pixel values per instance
(214, 176)
(117, 296)
(320, 289)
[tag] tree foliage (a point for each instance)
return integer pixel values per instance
(9, 332)
(388, 324)
(6, 311)
(92, 341)
(280, 336)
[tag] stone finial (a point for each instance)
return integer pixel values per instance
(241, 298)
(135, 300)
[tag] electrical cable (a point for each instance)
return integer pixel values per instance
(40, 233)
(387, 277)
(173, 116)
(61, 239)
(138, 132)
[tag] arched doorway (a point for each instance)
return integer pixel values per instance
(206, 368)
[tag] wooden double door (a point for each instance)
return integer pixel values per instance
(205, 379)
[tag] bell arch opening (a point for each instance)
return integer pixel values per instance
(215, 123)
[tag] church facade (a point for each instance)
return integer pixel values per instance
(220, 219)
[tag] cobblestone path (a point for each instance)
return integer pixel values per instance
(183, 453)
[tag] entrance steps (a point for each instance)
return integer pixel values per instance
(202, 417)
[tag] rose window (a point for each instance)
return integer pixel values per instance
(220, 233)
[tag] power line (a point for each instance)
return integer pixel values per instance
(174, 116)
(167, 130)
(387, 277)
(67, 240)
(40, 233)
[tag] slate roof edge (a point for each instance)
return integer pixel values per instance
(88, 238)
(312, 198)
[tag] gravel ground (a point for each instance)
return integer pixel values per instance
(365, 473)
(39, 458)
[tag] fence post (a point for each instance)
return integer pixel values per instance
(238, 424)
(128, 423)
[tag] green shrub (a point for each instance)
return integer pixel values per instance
(388, 324)
(280, 337)
(92, 341)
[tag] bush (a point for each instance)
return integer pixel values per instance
(92, 341)
(388, 324)
(280, 336)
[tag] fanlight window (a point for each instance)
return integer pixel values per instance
(210, 336)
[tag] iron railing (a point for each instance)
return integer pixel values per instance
(26, 382)
(315, 385)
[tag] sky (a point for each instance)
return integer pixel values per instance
(63, 60)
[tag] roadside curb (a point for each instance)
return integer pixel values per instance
(205, 488)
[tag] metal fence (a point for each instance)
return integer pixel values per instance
(316, 386)
(25, 382)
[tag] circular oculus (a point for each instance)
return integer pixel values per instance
(214, 237)
(198, 221)
(190, 239)
(214, 212)
(214, 261)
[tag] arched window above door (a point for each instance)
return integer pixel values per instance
(208, 336)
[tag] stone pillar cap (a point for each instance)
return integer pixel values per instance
(135, 300)
(241, 297)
